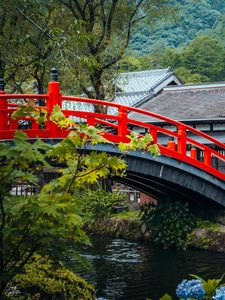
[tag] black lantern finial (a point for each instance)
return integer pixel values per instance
(54, 74)
(2, 84)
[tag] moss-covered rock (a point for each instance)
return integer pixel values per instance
(42, 280)
(208, 239)
(207, 235)
(121, 228)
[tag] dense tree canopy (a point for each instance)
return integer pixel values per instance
(109, 25)
(195, 17)
(203, 56)
(89, 42)
(202, 60)
(85, 39)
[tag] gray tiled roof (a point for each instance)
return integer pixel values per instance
(142, 80)
(196, 102)
(135, 86)
(141, 86)
(131, 99)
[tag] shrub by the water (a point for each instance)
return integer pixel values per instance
(169, 222)
(42, 280)
(99, 203)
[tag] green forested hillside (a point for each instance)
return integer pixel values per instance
(192, 42)
(201, 60)
(193, 18)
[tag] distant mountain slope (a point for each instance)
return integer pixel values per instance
(195, 17)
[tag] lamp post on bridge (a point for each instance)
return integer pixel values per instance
(54, 98)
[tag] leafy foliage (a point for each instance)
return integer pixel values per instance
(30, 223)
(166, 297)
(202, 60)
(27, 50)
(31, 111)
(193, 18)
(196, 56)
(97, 204)
(59, 118)
(43, 280)
(204, 56)
(45, 221)
(199, 289)
(82, 40)
(210, 285)
(85, 40)
(169, 222)
(187, 76)
(138, 142)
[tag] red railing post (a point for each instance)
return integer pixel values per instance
(193, 153)
(13, 124)
(54, 98)
(181, 134)
(3, 106)
(171, 145)
(154, 135)
(207, 157)
(122, 124)
(91, 121)
(34, 125)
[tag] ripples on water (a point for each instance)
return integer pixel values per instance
(123, 270)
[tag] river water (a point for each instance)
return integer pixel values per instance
(126, 270)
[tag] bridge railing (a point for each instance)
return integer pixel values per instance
(182, 147)
(8, 126)
(117, 125)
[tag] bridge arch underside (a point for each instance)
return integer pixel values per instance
(164, 177)
(182, 182)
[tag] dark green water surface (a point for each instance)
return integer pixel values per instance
(128, 270)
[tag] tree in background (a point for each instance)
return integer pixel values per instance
(109, 25)
(205, 56)
(188, 76)
(35, 35)
(25, 52)
(85, 39)
(195, 18)
(202, 60)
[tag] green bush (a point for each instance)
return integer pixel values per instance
(42, 280)
(99, 203)
(169, 222)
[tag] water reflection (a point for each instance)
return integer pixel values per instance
(126, 270)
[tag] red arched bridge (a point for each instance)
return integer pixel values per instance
(177, 173)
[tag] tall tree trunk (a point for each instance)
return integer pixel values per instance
(99, 90)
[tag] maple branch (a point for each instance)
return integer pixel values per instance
(34, 23)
